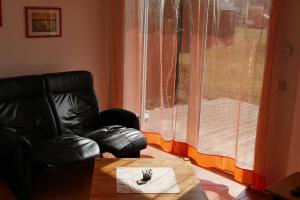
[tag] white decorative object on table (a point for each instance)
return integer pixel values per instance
(163, 180)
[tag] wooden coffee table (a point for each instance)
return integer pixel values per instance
(104, 179)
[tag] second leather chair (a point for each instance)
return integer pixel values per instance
(72, 96)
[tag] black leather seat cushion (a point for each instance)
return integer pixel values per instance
(64, 150)
(118, 140)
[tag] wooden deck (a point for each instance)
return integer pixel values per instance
(220, 121)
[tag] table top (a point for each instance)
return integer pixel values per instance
(282, 188)
(104, 179)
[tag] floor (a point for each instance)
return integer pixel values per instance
(220, 119)
(218, 186)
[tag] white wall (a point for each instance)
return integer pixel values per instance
(84, 45)
(132, 57)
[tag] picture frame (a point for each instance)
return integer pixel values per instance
(43, 22)
(0, 13)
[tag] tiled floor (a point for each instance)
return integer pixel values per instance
(216, 186)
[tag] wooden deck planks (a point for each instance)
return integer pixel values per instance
(218, 127)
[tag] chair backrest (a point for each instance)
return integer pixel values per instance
(25, 110)
(73, 99)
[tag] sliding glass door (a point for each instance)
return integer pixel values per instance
(199, 68)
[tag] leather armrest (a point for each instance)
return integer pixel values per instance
(119, 116)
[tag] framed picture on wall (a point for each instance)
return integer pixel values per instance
(43, 22)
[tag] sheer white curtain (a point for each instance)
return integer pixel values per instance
(195, 71)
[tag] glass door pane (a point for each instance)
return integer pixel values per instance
(232, 79)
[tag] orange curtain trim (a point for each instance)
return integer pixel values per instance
(223, 163)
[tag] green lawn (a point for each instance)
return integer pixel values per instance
(234, 71)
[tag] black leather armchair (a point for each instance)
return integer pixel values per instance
(72, 96)
(26, 126)
(54, 119)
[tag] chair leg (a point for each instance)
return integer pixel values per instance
(130, 155)
(17, 176)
